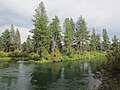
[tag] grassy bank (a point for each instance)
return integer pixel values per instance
(84, 56)
(54, 57)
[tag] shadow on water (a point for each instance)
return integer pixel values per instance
(63, 76)
(49, 76)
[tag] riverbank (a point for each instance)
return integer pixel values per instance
(34, 58)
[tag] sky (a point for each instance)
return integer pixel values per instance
(97, 13)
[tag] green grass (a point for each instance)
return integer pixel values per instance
(34, 58)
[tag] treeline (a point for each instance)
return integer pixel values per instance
(49, 37)
(10, 40)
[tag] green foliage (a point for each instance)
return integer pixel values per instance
(18, 39)
(68, 35)
(6, 40)
(29, 45)
(109, 74)
(81, 35)
(76, 43)
(106, 42)
(1, 45)
(65, 58)
(56, 37)
(24, 47)
(3, 54)
(95, 41)
(98, 43)
(56, 56)
(12, 56)
(13, 38)
(10, 40)
(113, 55)
(46, 55)
(41, 33)
(115, 43)
(84, 56)
(33, 56)
(17, 54)
(109, 71)
(5, 59)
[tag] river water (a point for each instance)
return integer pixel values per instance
(72, 75)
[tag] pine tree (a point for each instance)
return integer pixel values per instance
(72, 24)
(106, 42)
(41, 33)
(93, 41)
(98, 42)
(68, 35)
(56, 37)
(13, 38)
(115, 42)
(1, 45)
(6, 40)
(81, 35)
(24, 47)
(29, 44)
(18, 40)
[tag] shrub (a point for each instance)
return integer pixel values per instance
(87, 55)
(3, 54)
(17, 54)
(56, 56)
(65, 58)
(113, 55)
(46, 55)
(33, 56)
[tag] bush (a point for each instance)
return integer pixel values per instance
(46, 55)
(113, 55)
(33, 56)
(17, 54)
(56, 56)
(65, 58)
(3, 54)
(87, 55)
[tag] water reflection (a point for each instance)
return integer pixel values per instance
(63, 76)
(44, 75)
(62, 73)
(23, 77)
(50, 76)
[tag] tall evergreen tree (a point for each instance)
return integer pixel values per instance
(106, 42)
(24, 47)
(93, 41)
(81, 35)
(41, 33)
(115, 42)
(13, 38)
(1, 45)
(72, 24)
(18, 40)
(68, 35)
(29, 44)
(56, 37)
(98, 42)
(6, 40)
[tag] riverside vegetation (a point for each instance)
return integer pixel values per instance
(50, 42)
(109, 71)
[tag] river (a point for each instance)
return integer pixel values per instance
(72, 75)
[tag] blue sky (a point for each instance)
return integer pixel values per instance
(98, 13)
